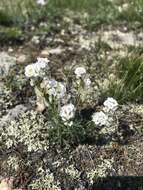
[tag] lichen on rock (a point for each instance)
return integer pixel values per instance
(6, 63)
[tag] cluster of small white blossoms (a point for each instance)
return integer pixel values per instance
(44, 85)
(81, 74)
(48, 86)
(41, 2)
(58, 91)
(100, 119)
(103, 118)
(53, 88)
(82, 85)
(37, 69)
(110, 105)
(67, 113)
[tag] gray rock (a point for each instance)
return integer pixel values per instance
(6, 62)
(12, 114)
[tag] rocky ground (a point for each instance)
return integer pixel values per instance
(117, 164)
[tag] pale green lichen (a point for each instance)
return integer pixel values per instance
(6, 100)
(44, 181)
(138, 109)
(6, 63)
(101, 170)
(29, 130)
(11, 165)
(72, 171)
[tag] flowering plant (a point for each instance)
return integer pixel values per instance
(65, 101)
(105, 120)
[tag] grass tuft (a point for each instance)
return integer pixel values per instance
(11, 35)
(129, 85)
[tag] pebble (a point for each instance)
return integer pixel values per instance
(21, 59)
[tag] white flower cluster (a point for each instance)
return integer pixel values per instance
(58, 91)
(54, 88)
(67, 113)
(80, 72)
(110, 105)
(41, 2)
(50, 86)
(103, 118)
(36, 69)
(100, 119)
(87, 82)
(82, 85)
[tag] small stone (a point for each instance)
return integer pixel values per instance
(45, 52)
(21, 58)
(40, 107)
(12, 114)
(6, 184)
(10, 50)
(56, 51)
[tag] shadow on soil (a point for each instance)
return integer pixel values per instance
(119, 183)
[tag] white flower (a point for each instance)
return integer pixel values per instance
(35, 40)
(100, 119)
(80, 71)
(87, 82)
(37, 69)
(67, 112)
(30, 71)
(110, 104)
(54, 88)
(49, 86)
(68, 123)
(42, 62)
(61, 90)
(41, 2)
